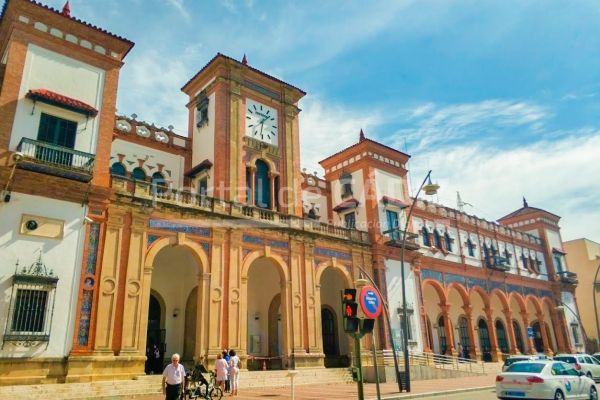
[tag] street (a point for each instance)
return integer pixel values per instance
(487, 394)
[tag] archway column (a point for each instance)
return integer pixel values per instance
(474, 351)
(494, 349)
(557, 328)
(295, 283)
(272, 193)
(511, 331)
(200, 349)
(313, 302)
(526, 323)
(544, 332)
(450, 350)
(252, 169)
(425, 331)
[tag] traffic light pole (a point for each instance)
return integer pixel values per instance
(359, 375)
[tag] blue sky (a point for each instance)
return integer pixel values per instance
(500, 98)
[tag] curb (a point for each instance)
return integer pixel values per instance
(435, 394)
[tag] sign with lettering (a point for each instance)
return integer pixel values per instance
(370, 302)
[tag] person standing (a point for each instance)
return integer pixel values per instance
(173, 380)
(234, 371)
(221, 367)
(227, 381)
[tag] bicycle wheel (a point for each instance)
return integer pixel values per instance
(216, 393)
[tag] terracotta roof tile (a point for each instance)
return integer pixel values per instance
(346, 205)
(61, 100)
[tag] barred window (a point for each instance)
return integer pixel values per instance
(31, 304)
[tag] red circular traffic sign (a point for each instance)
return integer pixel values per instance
(370, 302)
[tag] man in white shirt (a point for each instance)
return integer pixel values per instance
(173, 381)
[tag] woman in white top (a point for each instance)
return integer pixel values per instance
(234, 371)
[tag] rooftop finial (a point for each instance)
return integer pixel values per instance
(525, 202)
(244, 60)
(66, 11)
(361, 136)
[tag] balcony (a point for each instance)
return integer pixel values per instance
(394, 239)
(55, 160)
(232, 214)
(568, 277)
(498, 263)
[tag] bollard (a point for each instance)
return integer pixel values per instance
(264, 367)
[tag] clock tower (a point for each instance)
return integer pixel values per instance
(244, 128)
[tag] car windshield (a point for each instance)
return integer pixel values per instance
(570, 360)
(511, 361)
(526, 367)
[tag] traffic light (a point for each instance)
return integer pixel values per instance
(349, 310)
(366, 325)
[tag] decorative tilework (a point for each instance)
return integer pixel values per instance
(252, 239)
(514, 288)
(529, 290)
(278, 243)
(449, 278)
(205, 246)
(546, 293)
(321, 251)
(151, 239)
(176, 227)
(472, 282)
(90, 265)
(258, 240)
(429, 274)
(84, 319)
(495, 285)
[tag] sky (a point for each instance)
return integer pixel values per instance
(500, 99)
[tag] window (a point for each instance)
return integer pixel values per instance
(203, 186)
(346, 182)
(531, 368)
(558, 263)
(470, 248)
(575, 331)
(158, 182)
(201, 109)
(518, 336)
(118, 169)
(525, 261)
(448, 241)
(392, 221)
(138, 174)
(262, 185)
(437, 239)
(501, 337)
(350, 220)
(425, 234)
(507, 255)
(57, 131)
(31, 304)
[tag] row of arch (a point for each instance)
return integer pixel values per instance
(138, 173)
(473, 323)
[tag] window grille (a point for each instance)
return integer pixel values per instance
(31, 305)
(575, 331)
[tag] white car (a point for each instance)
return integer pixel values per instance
(544, 379)
(582, 362)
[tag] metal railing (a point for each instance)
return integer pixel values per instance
(182, 198)
(439, 361)
(57, 156)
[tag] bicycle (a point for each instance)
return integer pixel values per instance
(198, 387)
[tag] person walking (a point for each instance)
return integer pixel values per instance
(173, 380)
(221, 369)
(234, 371)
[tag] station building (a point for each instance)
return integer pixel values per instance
(117, 235)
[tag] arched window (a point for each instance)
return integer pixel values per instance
(442, 335)
(484, 340)
(465, 343)
(346, 182)
(158, 181)
(518, 336)
(138, 174)
(425, 234)
(262, 185)
(437, 239)
(448, 241)
(501, 336)
(470, 248)
(118, 169)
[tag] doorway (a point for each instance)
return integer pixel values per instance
(155, 338)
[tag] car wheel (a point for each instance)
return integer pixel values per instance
(593, 393)
(559, 395)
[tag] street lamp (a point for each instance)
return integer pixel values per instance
(430, 189)
(595, 286)
(561, 307)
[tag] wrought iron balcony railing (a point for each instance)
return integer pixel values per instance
(55, 160)
(232, 213)
(394, 239)
(498, 263)
(568, 277)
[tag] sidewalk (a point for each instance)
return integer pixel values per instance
(388, 390)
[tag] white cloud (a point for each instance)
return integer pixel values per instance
(559, 176)
(181, 9)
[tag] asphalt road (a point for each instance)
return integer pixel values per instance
(487, 394)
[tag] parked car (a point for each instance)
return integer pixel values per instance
(544, 379)
(596, 356)
(582, 362)
(510, 360)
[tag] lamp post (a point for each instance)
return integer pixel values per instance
(562, 307)
(594, 287)
(430, 189)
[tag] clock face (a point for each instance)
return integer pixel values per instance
(261, 122)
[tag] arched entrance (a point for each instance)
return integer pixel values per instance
(335, 343)
(518, 336)
(484, 340)
(155, 338)
(266, 314)
(465, 344)
(176, 273)
(501, 337)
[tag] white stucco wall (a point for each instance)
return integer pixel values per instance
(45, 69)
(133, 152)
(63, 256)
(394, 294)
(320, 202)
(390, 185)
(358, 193)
